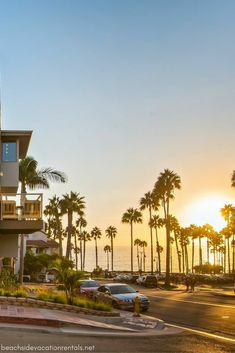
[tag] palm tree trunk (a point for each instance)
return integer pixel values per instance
(112, 253)
(76, 250)
(186, 258)
(96, 253)
(183, 257)
(151, 238)
(225, 255)
(208, 251)
(138, 258)
(228, 247)
(233, 247)
(200, 251)
(84, 254)
(144, 257)
(178, 252)
(70, 223)
(192, 254)
(158, 252)
(167, 280)
(131, 248)
(107, 260)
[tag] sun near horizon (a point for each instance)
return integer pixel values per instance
(206, 209)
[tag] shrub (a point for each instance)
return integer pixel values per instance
(90, 304)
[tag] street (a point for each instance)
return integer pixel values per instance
(42, 342)
(198, 310)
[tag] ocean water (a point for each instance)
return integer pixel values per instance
(122, 258)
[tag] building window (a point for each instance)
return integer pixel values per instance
(9, 151)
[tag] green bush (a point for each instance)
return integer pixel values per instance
(90, 304)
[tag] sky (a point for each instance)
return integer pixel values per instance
(117, 91)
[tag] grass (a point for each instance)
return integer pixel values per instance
(19, 292)
(58, 297)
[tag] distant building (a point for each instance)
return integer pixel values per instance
(39, 243)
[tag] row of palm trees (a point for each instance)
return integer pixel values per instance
(158, 200)
(72, 205)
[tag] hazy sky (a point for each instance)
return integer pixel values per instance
(116, 91)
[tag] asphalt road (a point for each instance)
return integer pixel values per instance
(13, 341)
(200, 310)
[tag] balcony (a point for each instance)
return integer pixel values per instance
(20, 213)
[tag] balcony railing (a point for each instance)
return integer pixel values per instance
(21, 206)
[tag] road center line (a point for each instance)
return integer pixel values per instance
(203, 333)
(193, 302)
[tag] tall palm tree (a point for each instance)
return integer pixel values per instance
(107, 250)
(150, 203)
(163, 191)
(226, 213)
(33, 178)
(70, 204)
(132, 216)
(96, 234)
(157, 222)
(111, 233)
(81, 223)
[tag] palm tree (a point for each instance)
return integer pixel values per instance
(132, 216)
(80, 223)
(107, 249)
(111, 233)
(143, 245)
(157, 222)
(215, 243)
(85, 237)
(70, 204)
(175, 228)
(30, 176)
(33, 178)
(52, 211)
(193, 233)
(137, 243)
(226, 213)
(163, 191)
(96, 234)
(150, 203)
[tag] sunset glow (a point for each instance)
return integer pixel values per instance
(207, 210)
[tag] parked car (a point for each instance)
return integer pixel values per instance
(147, 281)
(150, 281)
(121, 296)
(88, 287)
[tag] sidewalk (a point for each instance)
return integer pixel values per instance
(32, 318)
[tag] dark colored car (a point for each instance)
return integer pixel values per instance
(121, 296)
(88, 287)
(150, 281)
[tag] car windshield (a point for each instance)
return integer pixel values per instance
(121, 289)
(89, 284)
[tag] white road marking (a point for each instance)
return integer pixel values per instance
(193, 302)
(203, 333)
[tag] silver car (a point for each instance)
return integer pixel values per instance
(121, 296)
